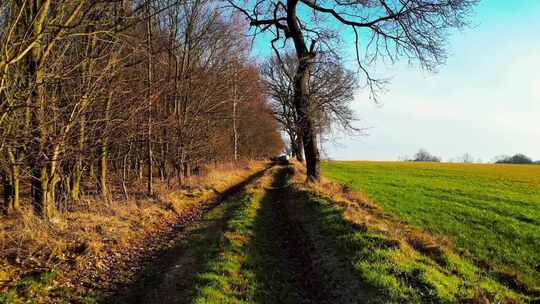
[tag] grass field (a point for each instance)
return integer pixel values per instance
(491, 213)
(291, 241)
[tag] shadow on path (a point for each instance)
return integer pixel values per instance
(291, 251)
(169, 276)
(306, 257)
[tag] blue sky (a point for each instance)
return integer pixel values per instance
(484, 101)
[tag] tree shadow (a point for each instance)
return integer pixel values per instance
(286, 266)
(169, 276)
(304, 267)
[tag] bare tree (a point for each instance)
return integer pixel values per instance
(331, 90)
(414, 29)
(466, 158)
(96, 91)
(424, 156)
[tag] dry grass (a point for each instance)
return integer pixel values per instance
(95, 230)
(360, 210)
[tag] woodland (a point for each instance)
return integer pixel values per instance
(102, 94)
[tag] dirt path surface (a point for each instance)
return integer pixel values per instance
(291, 245)
(172, 276)
(169, 277)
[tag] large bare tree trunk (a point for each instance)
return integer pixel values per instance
(309, 134)
(301, 99)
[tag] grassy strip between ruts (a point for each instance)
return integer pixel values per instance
(390, 266)
(244, 267)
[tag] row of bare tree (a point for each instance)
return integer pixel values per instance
(96, 90)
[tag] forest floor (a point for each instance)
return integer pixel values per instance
(96, 246)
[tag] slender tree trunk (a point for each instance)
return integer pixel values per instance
(102, 168)
(124, 172)
(86, 72)
(149, 100)
(77, 170)
(124, 177)
(140, 167)
(187, 170)
(234, 102)
(11, 184)
(299, 148)
(104, 151)
(8, 192)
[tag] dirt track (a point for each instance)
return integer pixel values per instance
(170, 277)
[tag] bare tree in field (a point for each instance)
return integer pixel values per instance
(466, 158)
(331, 90)
(414, 29)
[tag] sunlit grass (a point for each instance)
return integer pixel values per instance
(245, 266)
(490, 212)
(386, 265)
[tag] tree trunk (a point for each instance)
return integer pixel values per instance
(11, 184)
(124, 172)
(149, 100)
(309, 134)
(187, 170)
(301, 94)
(7, 208)
(102, 167)
(299, 149)
(77, 170)
(42, 195)
(86, 70)
(104, 150)
(234, 127)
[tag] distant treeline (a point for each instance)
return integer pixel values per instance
(515, 159)
(424, 156)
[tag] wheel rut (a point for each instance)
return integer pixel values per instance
(295, 249)
(171, 276)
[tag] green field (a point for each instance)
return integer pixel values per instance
(491, 213)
